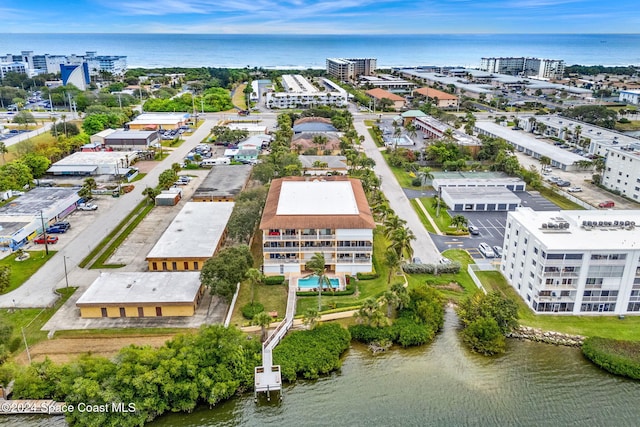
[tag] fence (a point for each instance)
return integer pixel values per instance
(472, 268)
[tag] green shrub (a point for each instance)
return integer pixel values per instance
(615, 356)
(273, 280)
(311, 353)
(483, 336)
(453, 268)
(367, 334)
(15, 344)
(367, 276)
(251, 309)
(407, 332)
(416, 182)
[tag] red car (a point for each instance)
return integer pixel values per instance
(50, 240)
(607, 204)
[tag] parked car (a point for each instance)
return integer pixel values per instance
(50, 240)
(474, 230)
(574, 189)
(56, 230)
(486, 250)
(417, 260)
(62, 224)
(606, 204)
(563, 184)
(498, 251)
(87, 207)
(444, 261)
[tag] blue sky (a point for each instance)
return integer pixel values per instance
(320, 16)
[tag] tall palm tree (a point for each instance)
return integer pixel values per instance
(393, 262)
(403, 295)
(371, 314)
(263, 320)
(255, 276)
(392, 300)
(392, 222)
(316, 264)
(544, 161)
(401, 242)
(64, 123)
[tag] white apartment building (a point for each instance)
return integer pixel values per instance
(37, 64)
(574, 262)
(622, 170)
(304, 216)
(521, 66)
(12, 67)
(348, 69)
(301, 93)
(630, 96)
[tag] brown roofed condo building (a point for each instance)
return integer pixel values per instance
(330, 216)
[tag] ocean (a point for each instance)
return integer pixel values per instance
(311, 51)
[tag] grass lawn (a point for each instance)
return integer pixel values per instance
(632, 125)
(119, 332)
(423, 218)
(139, 177)
(239, 98)
(375, 138)
(403, 177)
(32, 319)
(444, 220)
(272, 297)
(559, 200)
(22, 270)
(603, 326)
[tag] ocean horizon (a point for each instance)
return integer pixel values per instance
(153, 50)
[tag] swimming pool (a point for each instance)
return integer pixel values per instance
(311, 282)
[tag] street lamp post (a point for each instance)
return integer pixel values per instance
(44, 233)
(66, 278)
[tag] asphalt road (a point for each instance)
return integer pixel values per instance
(38, 291)
(423, 246)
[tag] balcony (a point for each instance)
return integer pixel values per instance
(280, 250)
(317, 237)
(355, 248)
(277, 261)
(317, 248)
(279, 237)
(354, 261)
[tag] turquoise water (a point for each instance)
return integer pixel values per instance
(311, 282)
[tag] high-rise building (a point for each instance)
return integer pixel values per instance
(527, 67)
(348, 69)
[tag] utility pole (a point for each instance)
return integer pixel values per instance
(24, 337)
(66, 278)
(44, 233)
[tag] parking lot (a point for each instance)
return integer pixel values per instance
(491, 226)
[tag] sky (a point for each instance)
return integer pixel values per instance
(320, 16)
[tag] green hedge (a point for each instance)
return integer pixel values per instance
(452, 268)
(273, 280)
(367, 276)
(311, 353)
(616, 356)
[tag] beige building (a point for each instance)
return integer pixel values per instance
(137, 294)
(379, 94)
(437, 97)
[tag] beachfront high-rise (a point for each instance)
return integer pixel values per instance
(348, 69)
(526, 67)
(574, 262)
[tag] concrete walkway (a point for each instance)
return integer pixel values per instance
(423, 246)
(431, 221)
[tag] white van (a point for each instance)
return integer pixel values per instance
(486, 250)
(215, 162)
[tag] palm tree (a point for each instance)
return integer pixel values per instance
(151, 193)
(370, 313)
(392, 222)
(401, 242)
(544, 162)
(576, 134)
(90, 183)
(532, 121)
(459, 221)
(255, 277)
(403, 295)
(64, 123)
(392, 300)
(425, 175)
(263, 320)
(393, 262)
(176, 167)
(411, 130)
(311, 317)
(317, 265)
(3, 151)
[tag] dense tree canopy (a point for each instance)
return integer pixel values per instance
(222, 273)
(598, 115)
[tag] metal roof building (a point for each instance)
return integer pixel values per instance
(223, 183)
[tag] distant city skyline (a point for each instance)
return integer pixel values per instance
(320, 16)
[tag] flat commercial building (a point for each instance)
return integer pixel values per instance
(301, 93)
(156, 121)
(630, 96)
(330, 216)
(522, 66)
(222, 184)
(536, 148)
(131, 140)
(489, 199)
(574, 262)
(137, 294)
(442, 180)
(387, 82)
(193, 237)
(86, 163)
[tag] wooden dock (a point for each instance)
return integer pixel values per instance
(268, 377)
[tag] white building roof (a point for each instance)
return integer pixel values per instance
(317, 198)
(577, 237)
(140, 288)
(159, 119)
(530, 143)
(91, 158)
(481, 195)
(194, 232)
(598, 135)
(249, 127)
